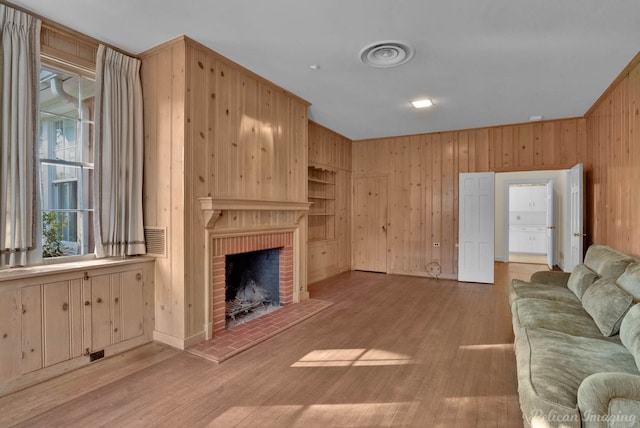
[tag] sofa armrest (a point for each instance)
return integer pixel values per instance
(551, 277)
(609, 399)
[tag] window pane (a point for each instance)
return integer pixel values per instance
(66, 156)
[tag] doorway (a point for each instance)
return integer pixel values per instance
(541, 221)
(530, 214)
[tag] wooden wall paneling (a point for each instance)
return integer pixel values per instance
(436, 200)
(464, 157)
(177, 192)
(524, 146)
(31, 329)
(613, 151)
(199, 125)
(416, 205)
(10, 332)
(634, 154)
(227, 151)
(426, 238)
(482, 150)
(447, 215)
(343, 220)
(445, 155)
(538, 147)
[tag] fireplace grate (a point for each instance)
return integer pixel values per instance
(238, 306)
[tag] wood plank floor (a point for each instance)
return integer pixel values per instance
(393, 351)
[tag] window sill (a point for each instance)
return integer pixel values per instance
(54, 268)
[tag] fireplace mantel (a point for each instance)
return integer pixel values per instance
(286, 230)
(213, 207)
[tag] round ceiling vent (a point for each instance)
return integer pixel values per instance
(389, 53)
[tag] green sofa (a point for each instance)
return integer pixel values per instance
(577, 343)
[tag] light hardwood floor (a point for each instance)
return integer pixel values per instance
(393, 351)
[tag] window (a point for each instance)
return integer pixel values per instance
(66, 163)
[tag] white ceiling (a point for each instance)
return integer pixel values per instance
(483, 62)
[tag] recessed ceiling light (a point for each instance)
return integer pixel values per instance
(535, 118)
(315, 66)
(422, 103)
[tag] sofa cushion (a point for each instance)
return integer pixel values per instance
(569, 318)
(630, 332)
(530, 290)
(552, 365)
(607, 304)
(629, 281)
(581, 278)
(606, 262)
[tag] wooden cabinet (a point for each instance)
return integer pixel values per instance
(322, 196)
(116, 305)
(62, 314)
(51, 323)
(531, 240)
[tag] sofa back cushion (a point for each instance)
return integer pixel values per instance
(581, 278)
(606, 262)
(630, 332)
(607, 304)
(629, 281)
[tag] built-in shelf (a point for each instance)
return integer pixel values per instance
(322, 193)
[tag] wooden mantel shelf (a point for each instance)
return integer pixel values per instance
(213, 207)
(250, 205)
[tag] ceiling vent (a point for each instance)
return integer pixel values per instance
(390, 53)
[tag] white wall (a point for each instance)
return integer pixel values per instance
(502, 223)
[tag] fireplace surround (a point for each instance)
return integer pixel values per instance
(234, 226)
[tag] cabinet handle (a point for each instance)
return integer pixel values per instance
(86, 276)
(116, 299)
(138, 276)
(65, 306)
(87, 303)
(99, 300)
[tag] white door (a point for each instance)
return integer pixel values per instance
(551, 226)
(476, 228)
(575, 217)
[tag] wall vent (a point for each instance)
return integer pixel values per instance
(155, 238)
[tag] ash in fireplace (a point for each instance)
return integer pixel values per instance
(251, 292)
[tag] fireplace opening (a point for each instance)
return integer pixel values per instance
(252, 285)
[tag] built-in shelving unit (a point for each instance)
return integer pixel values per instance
(322, 195)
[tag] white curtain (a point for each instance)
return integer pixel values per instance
(118, 156)
(19, 90)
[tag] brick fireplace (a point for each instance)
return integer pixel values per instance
(231, 245)
(234, 226)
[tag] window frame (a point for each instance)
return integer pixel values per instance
(84, 213)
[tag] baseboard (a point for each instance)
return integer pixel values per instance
(502, 259)
(176, 342)
(426, 275)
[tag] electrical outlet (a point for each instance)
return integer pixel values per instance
(436, 244)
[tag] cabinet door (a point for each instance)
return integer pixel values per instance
(132, 304)
(9, 334)
(539, 198)
(519, 198)
(31, 329)
(100, 290)
(539, 242)
(62, 312)
(117, 308)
